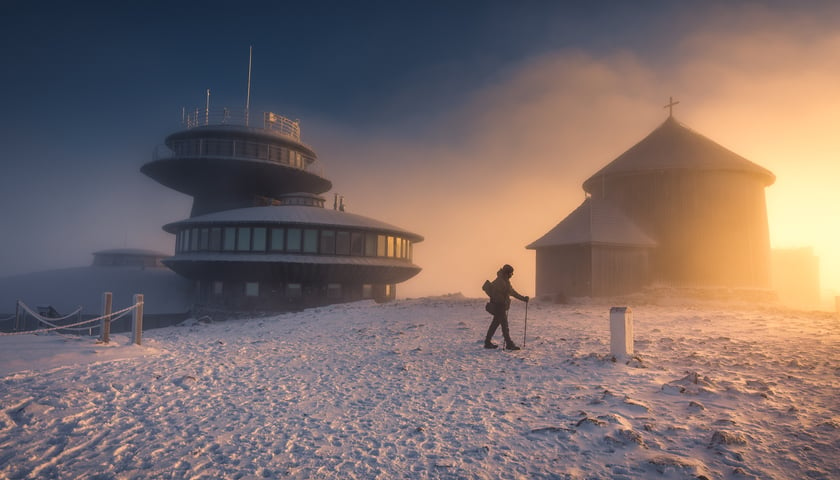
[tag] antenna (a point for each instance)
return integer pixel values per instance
(207, 109)
(248, 97)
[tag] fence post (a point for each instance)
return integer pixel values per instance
(106, 317)
(137, 319)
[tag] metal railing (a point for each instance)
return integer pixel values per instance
(226, 116)
(239, 149)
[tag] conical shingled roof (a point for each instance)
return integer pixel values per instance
(594, 222)
(673, 146)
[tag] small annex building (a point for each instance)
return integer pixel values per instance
(675, 210)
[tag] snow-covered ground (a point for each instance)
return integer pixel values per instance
(405, 390)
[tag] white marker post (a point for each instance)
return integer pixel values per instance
(621, 332)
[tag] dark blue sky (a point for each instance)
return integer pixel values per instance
(89, 88)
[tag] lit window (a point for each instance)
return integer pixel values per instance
(390, 245)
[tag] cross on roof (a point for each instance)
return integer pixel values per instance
(670, 106)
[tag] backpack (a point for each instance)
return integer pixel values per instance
(490, 307)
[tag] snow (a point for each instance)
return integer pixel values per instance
(405, 390)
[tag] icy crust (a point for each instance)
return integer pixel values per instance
(405, 390)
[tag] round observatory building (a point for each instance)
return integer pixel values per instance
(259, 236)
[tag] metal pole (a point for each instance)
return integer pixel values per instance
(525, 335)
(248, 97)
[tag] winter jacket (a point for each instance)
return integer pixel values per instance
(501, 290)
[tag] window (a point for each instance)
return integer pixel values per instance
(334, 290)
(370, 245)
(381, 249)
(294, 290)
(328, 242)
(357, 243)
(204, 240)
(277, 239)
(342, 243)
(310, 240)
(215, 239)
(367, 291)
(243, 239)
(293, 240)
(218, 288)
(230, 239)
(183, 240)
(194, 239)
(252, 289)
(390, 245)
(259, 239)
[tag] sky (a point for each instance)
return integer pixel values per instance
(471, 123)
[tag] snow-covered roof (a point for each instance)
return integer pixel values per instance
(595, 222)
(292, 214)
(66, 289)
(673, 146)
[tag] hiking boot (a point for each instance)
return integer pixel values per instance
(490, 345)
(511, 346)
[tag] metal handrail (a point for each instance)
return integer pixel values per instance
(163, 152)
(226, 116)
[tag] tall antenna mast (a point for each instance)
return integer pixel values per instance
(207, 109)
(248, 97)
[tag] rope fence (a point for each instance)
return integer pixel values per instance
(104, 320)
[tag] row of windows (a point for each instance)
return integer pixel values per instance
(239, 149)
(293, 240)
(291, 290)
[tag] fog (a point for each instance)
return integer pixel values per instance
(506, 165)
(504, 162)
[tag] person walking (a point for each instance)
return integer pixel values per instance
(500, 290)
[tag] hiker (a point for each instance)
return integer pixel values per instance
(500, 291)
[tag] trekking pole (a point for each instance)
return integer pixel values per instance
(524, 335)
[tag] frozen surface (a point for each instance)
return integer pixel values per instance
(405, 390)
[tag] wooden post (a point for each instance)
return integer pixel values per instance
(106, 318)
(137, 319)
(621, 332)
